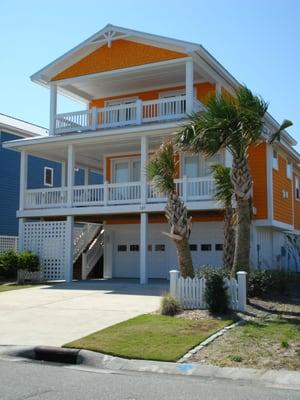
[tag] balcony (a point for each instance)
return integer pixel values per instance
(135, 113)
(117, 194)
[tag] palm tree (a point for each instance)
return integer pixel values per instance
(161, 170)
(224, 194)
(235, 124)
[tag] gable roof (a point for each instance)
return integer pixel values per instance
(20, 127)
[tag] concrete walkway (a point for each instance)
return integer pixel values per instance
(58, 313)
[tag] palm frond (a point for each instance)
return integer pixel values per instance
(277, 135)
(224, 186)
(161, 168)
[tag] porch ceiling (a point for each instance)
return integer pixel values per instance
(128, 81)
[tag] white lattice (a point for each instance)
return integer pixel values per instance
(48, 240)
(8, 243)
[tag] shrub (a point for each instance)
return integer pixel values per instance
(169, 305)
(215, 293)
(206, 271)
(9, 261)
(29, 261)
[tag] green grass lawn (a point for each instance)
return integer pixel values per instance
(14, 286)
(150, 337)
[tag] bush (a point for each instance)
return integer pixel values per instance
(169, 305)
(206, 271)
(215, 292)
(9, 261)
(29, 261)
(273, 281)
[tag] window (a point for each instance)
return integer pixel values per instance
(134, 247)
(195, 166)
(219, 247)
(126, 170)
(191, 166)
(297, 188)
(149, 247)
(159, 247)
(48, 176)
(275, 159)
(119, 112)
(122, 247)
(193, 247)
(205, 247)
(289, 169)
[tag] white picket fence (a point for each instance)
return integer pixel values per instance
(190, 292)
(8, 243)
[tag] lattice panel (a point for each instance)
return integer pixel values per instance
(8, 243)
(48, 240)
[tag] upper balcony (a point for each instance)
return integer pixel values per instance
(134, 112)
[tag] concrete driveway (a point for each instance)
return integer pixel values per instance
(56, 314)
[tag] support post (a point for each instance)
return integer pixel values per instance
(63, 174)
(189, 86)
(108, 254)
(71, 165)
(86, 176)
(69, 248)
(143, 248)
(139, 112)
(242, 290)
(227, 158)
(174, 275)
(21, 234)
(53, 109)
(218, 89)
(185, 188)
(84, 266)
(94, 118)
(23, 178)
(144, 160)
(105, 193)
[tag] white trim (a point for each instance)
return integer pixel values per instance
(45, 176)
(269, 172)
(19, 127)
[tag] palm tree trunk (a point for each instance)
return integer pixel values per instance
(180, 224)
(242, 183)
(184, 258)
(229, 238)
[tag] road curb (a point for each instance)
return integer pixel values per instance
(272, 378)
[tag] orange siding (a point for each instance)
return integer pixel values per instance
(203, 91)
(121, 54)
(204, 216)
(258, 169)
(283, 208)
(296, 206)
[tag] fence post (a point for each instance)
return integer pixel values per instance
(139, 112)
(174, 275)
(94, 118)
(105, 193)
(242, 290)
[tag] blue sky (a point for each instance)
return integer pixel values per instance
(258, 41)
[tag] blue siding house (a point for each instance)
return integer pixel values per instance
(14, 129)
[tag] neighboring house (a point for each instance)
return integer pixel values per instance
(138, 88)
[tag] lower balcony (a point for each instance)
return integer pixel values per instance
(118, 194)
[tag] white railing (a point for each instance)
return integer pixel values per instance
(73, 121)
(45, 198)
(134, 113)
(191, 292)
(92, 255)
(82, 237)
(8, 243)
(108, 194)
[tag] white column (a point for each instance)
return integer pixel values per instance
(86, 175)
(189, 85)
(242, 290)
(174, 275)
(63, 174)
(71, 166)
(218, 89)
(108, 254)
(23, 178)
(53, 108)
(227, 158)
(144, 160)
(69, 248)
(21, 234)
(143, 248)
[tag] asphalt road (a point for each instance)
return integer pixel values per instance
(38, 381)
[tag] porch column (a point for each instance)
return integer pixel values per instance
(108, 254)
(70, 180)
(189, 85)
(53, 108)
(227, 158)
(144, 160)
(63, 174)
(143, 248)
(21, 234)
(86, 176)
(23, 178)
(69, 248)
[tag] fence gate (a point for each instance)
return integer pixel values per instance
(48, 240)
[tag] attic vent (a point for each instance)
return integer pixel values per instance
(109, 36)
